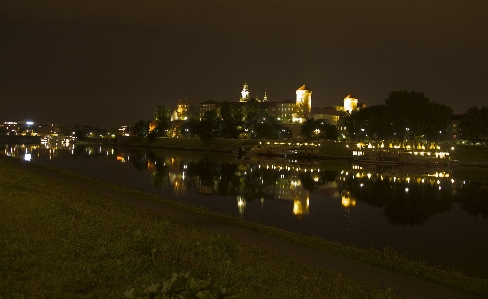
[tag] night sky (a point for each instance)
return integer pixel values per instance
(110, 63)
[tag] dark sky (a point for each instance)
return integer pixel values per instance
(110, 63)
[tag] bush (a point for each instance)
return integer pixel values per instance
(180, 286)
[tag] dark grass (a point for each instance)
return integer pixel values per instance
(470, 154)
(219, 145)
(63, 241)
(327, 148)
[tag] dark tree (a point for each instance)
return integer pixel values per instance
(407, 113)
(141, 128)
(285, 133)
(413, 116)
(79, 134)
(209, 126)
(191, 125)
(314, 129)
(406, 117)
(308, 128)
(370, 124)
(230, 122)
(162, 116)
(440, 116)
(474, 124)
(330, 132)
(252, 115)
(190, 128)
(226, 111)
(270, 128)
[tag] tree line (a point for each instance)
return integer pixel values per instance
(406, 117)
(412, 118)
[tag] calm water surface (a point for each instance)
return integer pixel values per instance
(428, 214)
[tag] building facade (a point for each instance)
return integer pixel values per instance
(328, 114)
(182, 108)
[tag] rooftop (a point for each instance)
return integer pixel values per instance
(304, 87)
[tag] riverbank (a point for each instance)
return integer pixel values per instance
(20, 139)
(466, 155)
(327, 149)
(87, 224)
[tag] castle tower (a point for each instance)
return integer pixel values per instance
(350, 103)
(244, 93)
(303, 105)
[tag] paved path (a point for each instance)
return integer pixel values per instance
(404, 286)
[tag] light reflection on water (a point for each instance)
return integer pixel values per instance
(427, 213)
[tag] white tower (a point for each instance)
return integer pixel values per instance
(303, 104)
(350, 103)
(244, 93)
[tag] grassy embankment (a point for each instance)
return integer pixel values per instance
(73, 241)
(60, 240)
(225, 145)
(473, 161)
(470, 153)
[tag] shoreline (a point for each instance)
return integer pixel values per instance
(327, 152)
(470, 156)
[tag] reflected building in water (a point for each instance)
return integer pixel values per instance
(241, 204)
(291, 189)
(43, 150)
(177, 177)
(170, 171)
(347, 200)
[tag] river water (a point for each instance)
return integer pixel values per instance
(428, 214)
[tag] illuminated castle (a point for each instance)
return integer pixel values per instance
(300, 111)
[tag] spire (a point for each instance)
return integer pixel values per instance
(265, 99)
